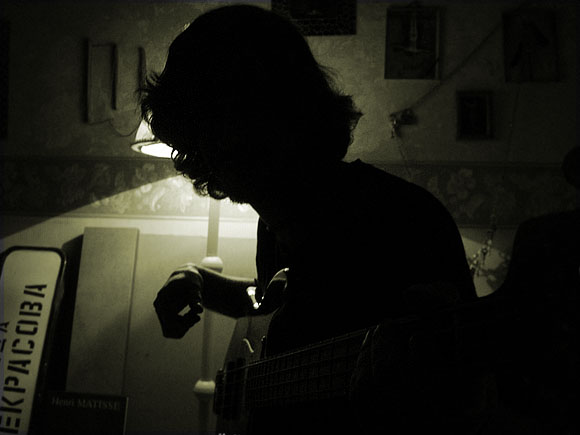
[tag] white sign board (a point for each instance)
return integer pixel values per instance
(28, 285)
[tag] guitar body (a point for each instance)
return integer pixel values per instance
(421, 371)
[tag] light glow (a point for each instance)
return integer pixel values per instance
(155, 149)
(146, 143)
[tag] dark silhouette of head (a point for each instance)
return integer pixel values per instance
(244, 104)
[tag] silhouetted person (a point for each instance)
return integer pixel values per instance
(543, 281)
(251, 116)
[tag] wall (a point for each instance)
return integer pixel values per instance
(159, 374)
(54, 161)
(47, 80)
(61, 174)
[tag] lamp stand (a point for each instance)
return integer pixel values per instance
(205, 386)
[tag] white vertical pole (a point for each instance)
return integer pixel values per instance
(205, 385)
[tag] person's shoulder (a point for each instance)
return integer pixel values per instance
(382, 183)
(548, 226)
(363, 169)
(555, 220)
(377, 179)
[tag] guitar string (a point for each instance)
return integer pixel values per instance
(326, 367)
(273, 372)
(319, 345)
(326, 386)
(302, 353)
(270, 369)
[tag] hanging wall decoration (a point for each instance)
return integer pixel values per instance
(319, 17)
(530, 50)
(111, 80)
(102, 81)
(412, 43)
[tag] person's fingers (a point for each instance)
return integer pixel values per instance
(178, 293)
(174, 331)
(175, 298)
(175, 325)
(178, 327)
(191, 318)
(196, 308)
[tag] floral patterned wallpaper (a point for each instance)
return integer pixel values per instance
(151, 187)
(475, 193)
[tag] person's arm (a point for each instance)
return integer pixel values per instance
(195, 286)
(225, 294)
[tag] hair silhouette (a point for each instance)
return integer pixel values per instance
(242, 97)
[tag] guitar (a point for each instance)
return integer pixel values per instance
(251, 381)
(317, 372)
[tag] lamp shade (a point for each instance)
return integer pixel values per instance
(146, 143)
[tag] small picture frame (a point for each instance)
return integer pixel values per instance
(319, 17)
(474, 109)
(102, 81)
(412, 43)
(530, 48)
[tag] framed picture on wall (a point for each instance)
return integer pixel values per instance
(102, 81)
(474, 115)
(412, 43)
(319, 17)
(530, 49)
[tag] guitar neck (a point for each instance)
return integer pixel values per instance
(317, 372)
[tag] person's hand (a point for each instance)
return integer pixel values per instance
(182, 290)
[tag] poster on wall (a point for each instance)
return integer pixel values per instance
(530, 48)
(30, 293)
(72, 413)
(412, 43)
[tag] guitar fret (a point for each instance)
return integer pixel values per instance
(319, 372)
(323, 370)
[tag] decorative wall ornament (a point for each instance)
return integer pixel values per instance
(319, 17)
(107, 82)
(102, 81)
(477, 261)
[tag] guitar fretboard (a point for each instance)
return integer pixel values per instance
(318, 372)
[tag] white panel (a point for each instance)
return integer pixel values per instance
(102, 311)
